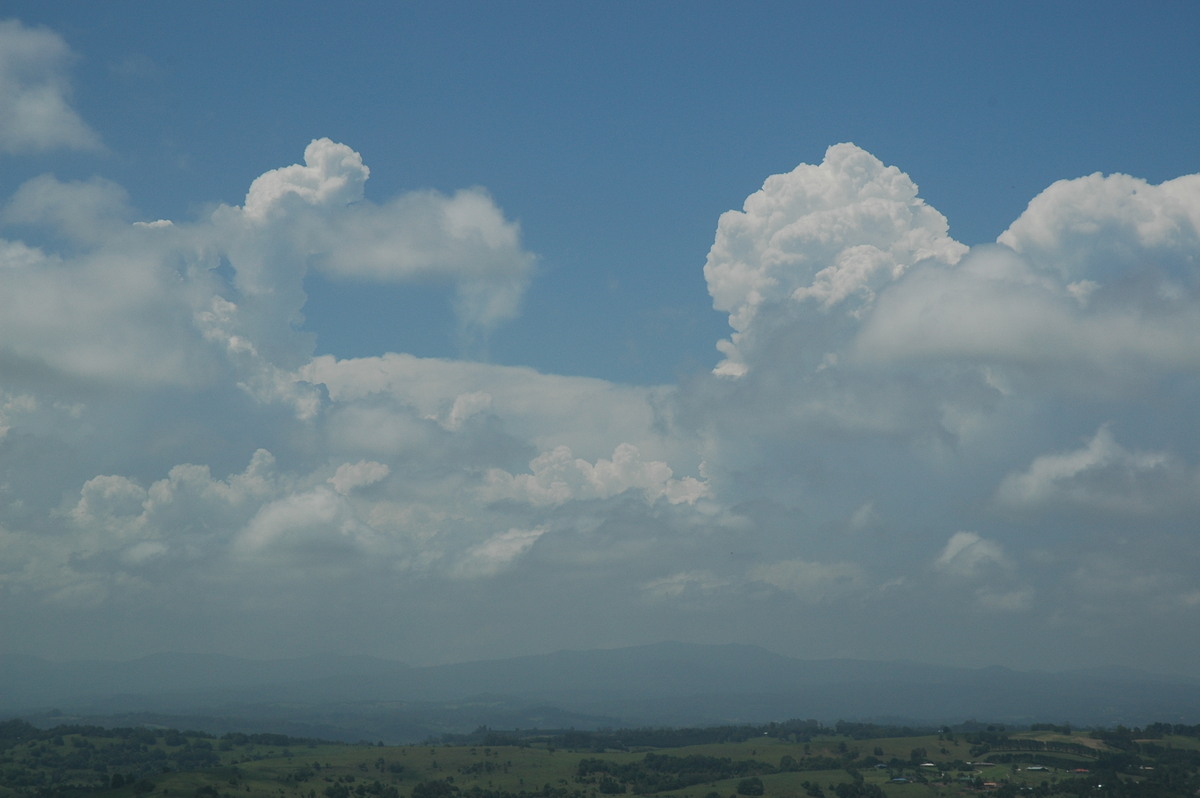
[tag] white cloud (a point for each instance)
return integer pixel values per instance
(465, 407)
(1122, 232)
(315, 524)
(154, 373)
(332, 176)
(357, 475)
(496, 553)
(823, 238)
(548, 411)
(426, 236)
(557, 477)
(968, 555)
(86, 212)
(996, 307)
(35, 110)
(1103, 477)
(317, 209)
(116, 313)
(106, 300)
(1094, 286)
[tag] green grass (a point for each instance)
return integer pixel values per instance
(312, 770)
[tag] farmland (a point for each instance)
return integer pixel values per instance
(790, 760)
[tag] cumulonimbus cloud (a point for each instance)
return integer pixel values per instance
(165, 423)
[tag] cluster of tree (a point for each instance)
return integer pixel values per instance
(364, 789)
(1006, 743)
(86, 758)
(445, 789)
(1158, 730)
(631, 739)
(1051, 727)
(270, 740)
(72, 760)
(795, 730)
(663, 772)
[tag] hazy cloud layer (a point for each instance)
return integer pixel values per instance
(902, 435)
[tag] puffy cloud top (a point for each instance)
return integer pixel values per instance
(1096, 285)
(332, 176)
(170, 447)
(315, 212)
(558, 477)
(1105, 229)
(828, 236)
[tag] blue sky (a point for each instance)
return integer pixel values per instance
(617, 133)
(461, 364)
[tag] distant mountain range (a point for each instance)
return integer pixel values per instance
(665, 684)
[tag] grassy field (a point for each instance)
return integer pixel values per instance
(147, 765)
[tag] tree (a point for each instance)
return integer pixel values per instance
(750, 786)
(433, 789)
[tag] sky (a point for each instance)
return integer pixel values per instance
(451, 331)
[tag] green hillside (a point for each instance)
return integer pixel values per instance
(798, 760)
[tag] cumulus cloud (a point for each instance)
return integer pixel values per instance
(997, 308)
(557, 477)
(316, 527)
(113, 313)
(802, 269)
(585, 414)
(462, 239)
(823, 237)
(331, 176)
(1094, 285)
(104, 299)
(166, 432)
(35, 93)
(1127, 235)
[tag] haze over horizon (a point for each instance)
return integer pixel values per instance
(462, 331)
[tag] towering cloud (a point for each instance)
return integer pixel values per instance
(819, 241)
(901, 429)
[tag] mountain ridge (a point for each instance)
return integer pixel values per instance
(663, 684)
